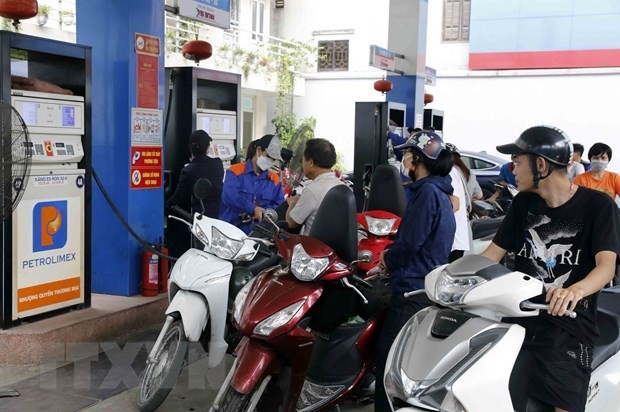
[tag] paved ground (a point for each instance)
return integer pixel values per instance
(107, 381)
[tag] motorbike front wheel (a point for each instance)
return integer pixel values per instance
(234, 401)
(160, 377)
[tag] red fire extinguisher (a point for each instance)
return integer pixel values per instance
(150, 273)
(163, 269)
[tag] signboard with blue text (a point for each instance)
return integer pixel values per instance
(382, 58)
(212, 12)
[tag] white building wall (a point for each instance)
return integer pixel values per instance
(330, 96)
(332, 103)
(482, 112)
(443, 55)
(487, 108)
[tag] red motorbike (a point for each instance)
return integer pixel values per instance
(384, 209)
(298, 351)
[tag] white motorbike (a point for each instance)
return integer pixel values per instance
(461, 358)
(198, 293)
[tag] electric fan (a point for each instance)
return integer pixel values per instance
(16, 149)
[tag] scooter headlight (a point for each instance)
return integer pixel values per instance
(223, 246)
(451, 290)
(379, 227)
(433, 394)
(240, 301)
(305, 267)
(397, 383)
(278, 319)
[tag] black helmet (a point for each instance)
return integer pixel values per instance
(453, 149)
(544, 141)
(430, 144)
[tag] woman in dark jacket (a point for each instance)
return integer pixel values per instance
(201, 166)
(423, 241)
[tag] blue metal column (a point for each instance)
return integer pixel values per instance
(109, 27)
(407, 36)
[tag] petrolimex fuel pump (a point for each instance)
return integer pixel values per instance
(48, 224)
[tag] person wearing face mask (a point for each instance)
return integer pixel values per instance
(598, 177)
(423, 241)
(251, 187)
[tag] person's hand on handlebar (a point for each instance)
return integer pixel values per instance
(258, 213)
(382, 260)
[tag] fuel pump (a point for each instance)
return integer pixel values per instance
(222, 127)
(48, 224)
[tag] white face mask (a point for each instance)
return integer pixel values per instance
(264, 162)
(599, 165)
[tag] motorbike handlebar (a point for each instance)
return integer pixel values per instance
(185, 215)
(359, 281)
(541, 306)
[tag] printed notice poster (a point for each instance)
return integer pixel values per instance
(146, 127)
(147, 81)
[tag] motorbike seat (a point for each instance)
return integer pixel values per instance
(484, 227)
(335, 223)
(534, 405)
(608, 342)
(482, 208)
(386, 191)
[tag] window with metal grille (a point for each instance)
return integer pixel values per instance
(456, 16)
(333, 55)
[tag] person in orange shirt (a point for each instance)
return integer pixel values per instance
(597, 177)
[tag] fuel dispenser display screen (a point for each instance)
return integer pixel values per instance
(29, 113)
(68, 116)
(222, 127)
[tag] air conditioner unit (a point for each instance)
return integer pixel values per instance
(279, 4)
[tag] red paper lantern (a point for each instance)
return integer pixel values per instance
(197, 50)
(383, 85)
(18, 9)
(428, 98)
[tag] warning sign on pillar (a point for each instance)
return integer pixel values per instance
(146, 167)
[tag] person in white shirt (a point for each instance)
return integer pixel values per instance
(318, 159)
(462, 236)
(574, 169)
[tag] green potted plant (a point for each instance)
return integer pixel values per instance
(67, 17)
(43, 15)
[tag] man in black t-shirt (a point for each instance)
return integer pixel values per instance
(567, 236)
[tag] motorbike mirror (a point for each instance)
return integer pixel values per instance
(271, 216)
(287, 155)
(201, 191)
(513, 190)
(202, 188)
(365, 256)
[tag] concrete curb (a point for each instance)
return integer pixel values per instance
(110, 319)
